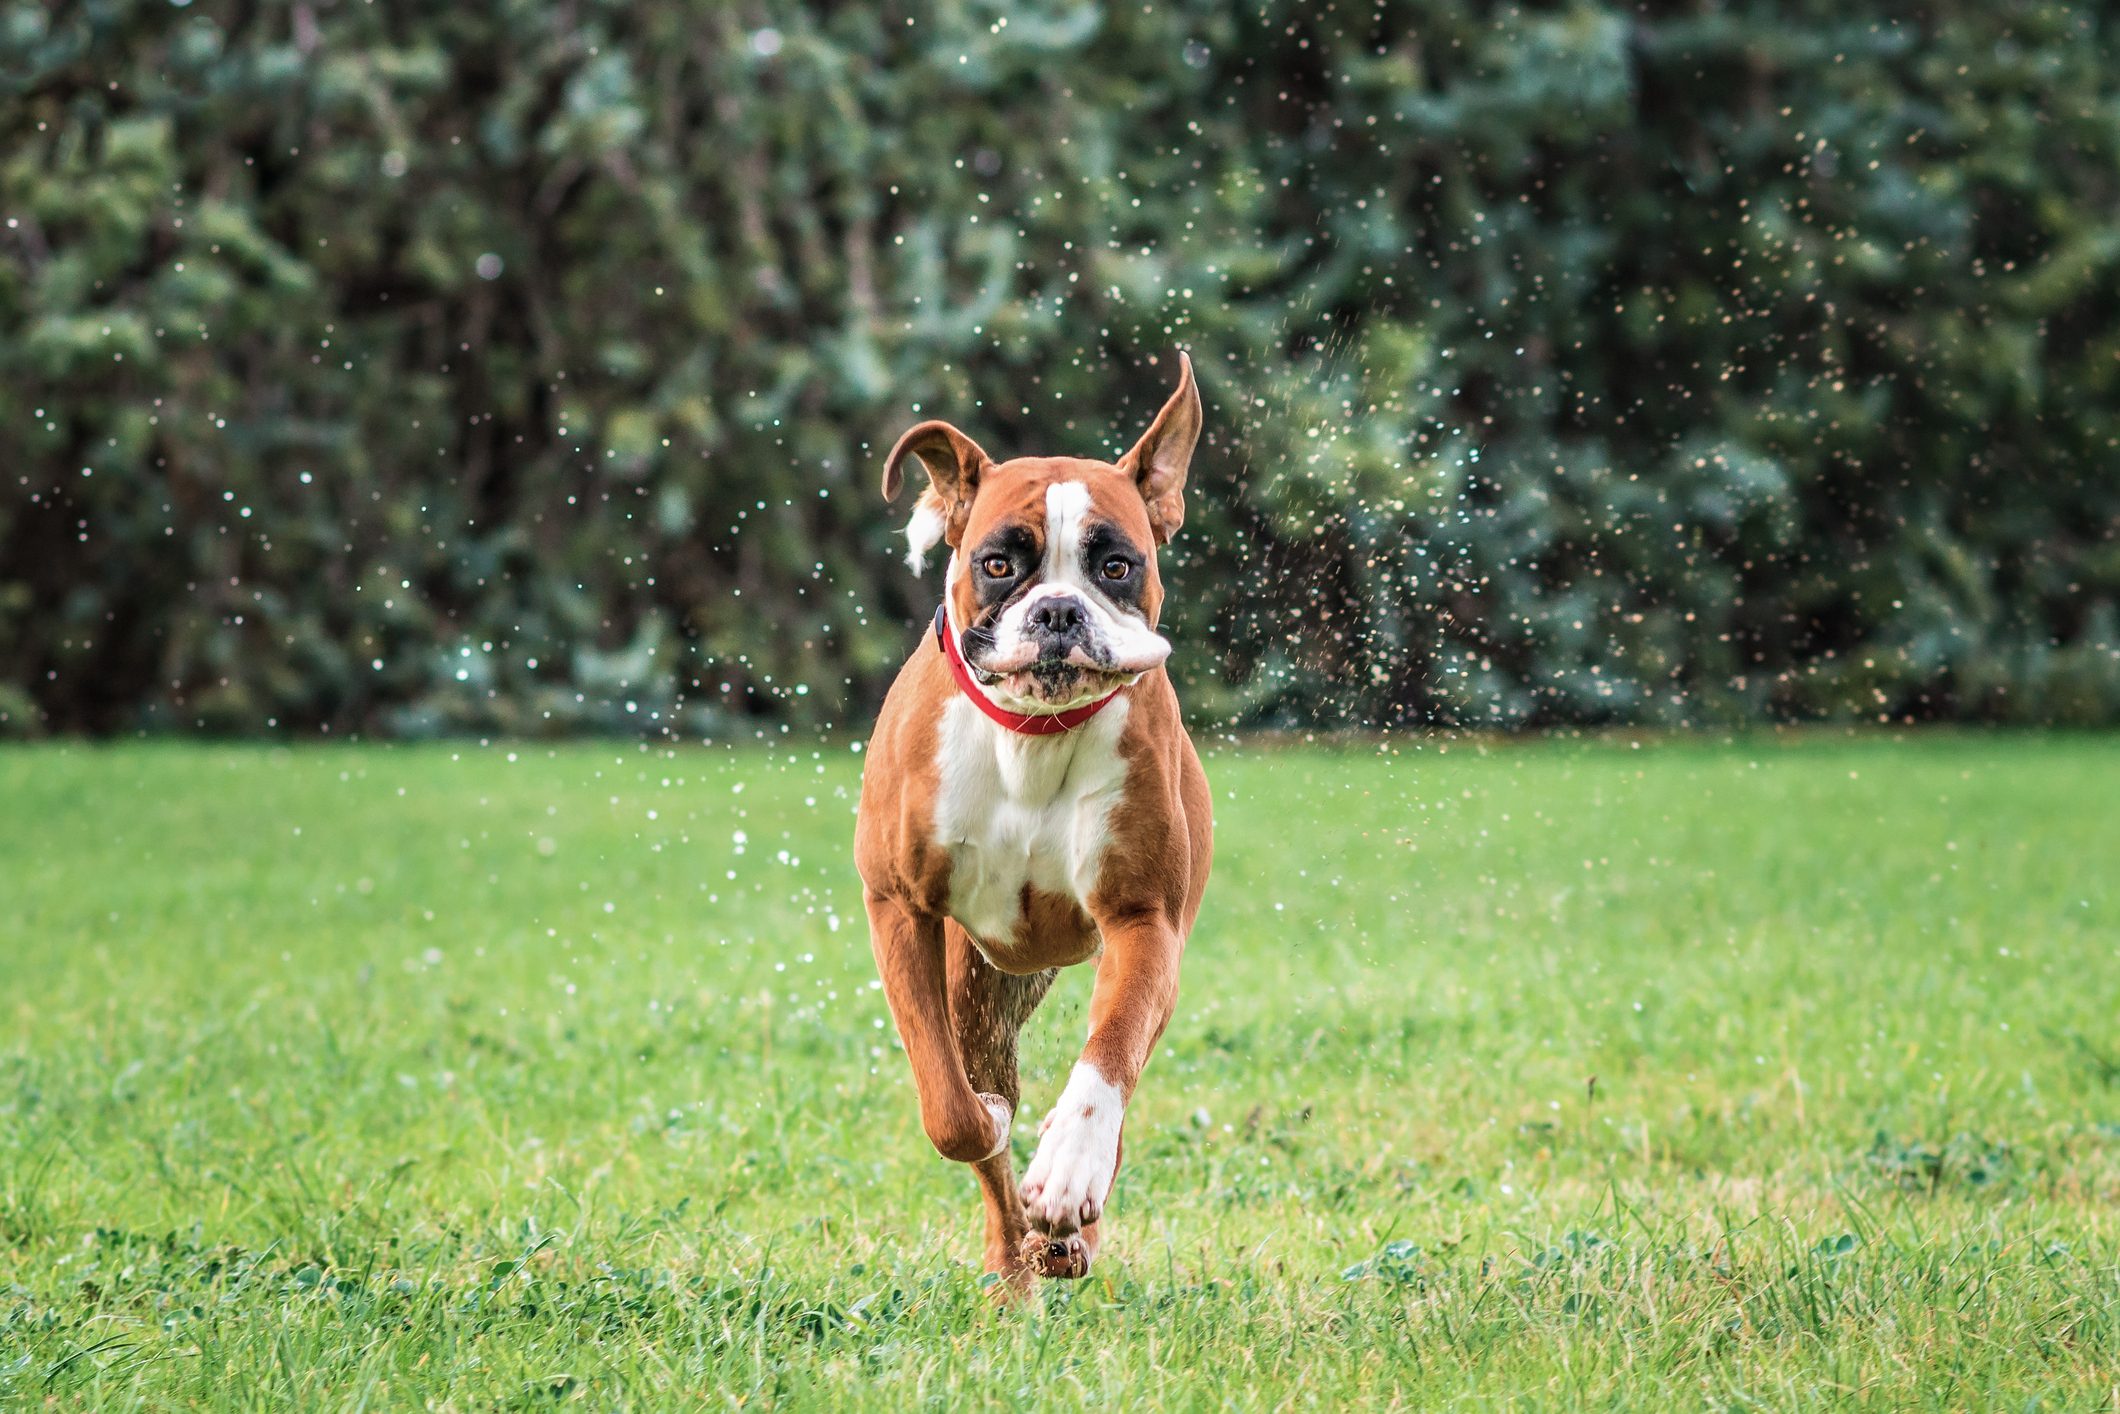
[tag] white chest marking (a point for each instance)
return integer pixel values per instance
(1018, 810)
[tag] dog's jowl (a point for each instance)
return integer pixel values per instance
(1031, 801)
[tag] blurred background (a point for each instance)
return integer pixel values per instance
(525, 367)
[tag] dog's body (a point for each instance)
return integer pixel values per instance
(1031, 801)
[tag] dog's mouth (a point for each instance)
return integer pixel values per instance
(1060, 685)
(1055, 682)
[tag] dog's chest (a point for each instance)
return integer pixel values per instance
(1026, 821)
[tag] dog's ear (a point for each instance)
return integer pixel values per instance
(954, 463)
(1158, 461)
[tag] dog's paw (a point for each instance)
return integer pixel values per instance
(1071, 1174)
(1059, 1258)
(1004, 1116)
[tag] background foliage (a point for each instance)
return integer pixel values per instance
(526, 366)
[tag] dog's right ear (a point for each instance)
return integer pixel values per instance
(953, 461)
(954, 465)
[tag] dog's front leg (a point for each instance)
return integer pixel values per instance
(1071, 1175)
(961, 1123)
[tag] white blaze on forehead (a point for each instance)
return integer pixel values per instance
(1066, 523)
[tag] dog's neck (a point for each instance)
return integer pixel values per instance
(1032, 771)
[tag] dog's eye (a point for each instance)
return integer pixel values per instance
(1116, 569)
(997, 566)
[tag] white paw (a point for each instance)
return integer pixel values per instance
(1004, 1121)
(1071, 1175)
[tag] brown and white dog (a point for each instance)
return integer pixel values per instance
(1031, 801)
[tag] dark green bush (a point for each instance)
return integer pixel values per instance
(522, 366)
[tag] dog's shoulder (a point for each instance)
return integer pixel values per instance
(893, 846)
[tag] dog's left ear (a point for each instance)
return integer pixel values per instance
(1158, 461)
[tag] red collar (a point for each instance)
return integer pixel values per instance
(1029, 724)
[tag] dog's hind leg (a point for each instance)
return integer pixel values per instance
(987, 1009)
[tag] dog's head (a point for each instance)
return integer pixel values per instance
(1053, 588)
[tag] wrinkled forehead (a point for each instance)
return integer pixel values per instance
(1016, 493)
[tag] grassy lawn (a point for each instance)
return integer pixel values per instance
(505, 1076)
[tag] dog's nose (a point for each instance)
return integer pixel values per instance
(1057, 616)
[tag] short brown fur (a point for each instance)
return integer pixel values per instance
(959, 1007)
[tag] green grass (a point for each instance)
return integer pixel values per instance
(501, 1077)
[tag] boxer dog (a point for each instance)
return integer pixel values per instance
(1032, 801)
